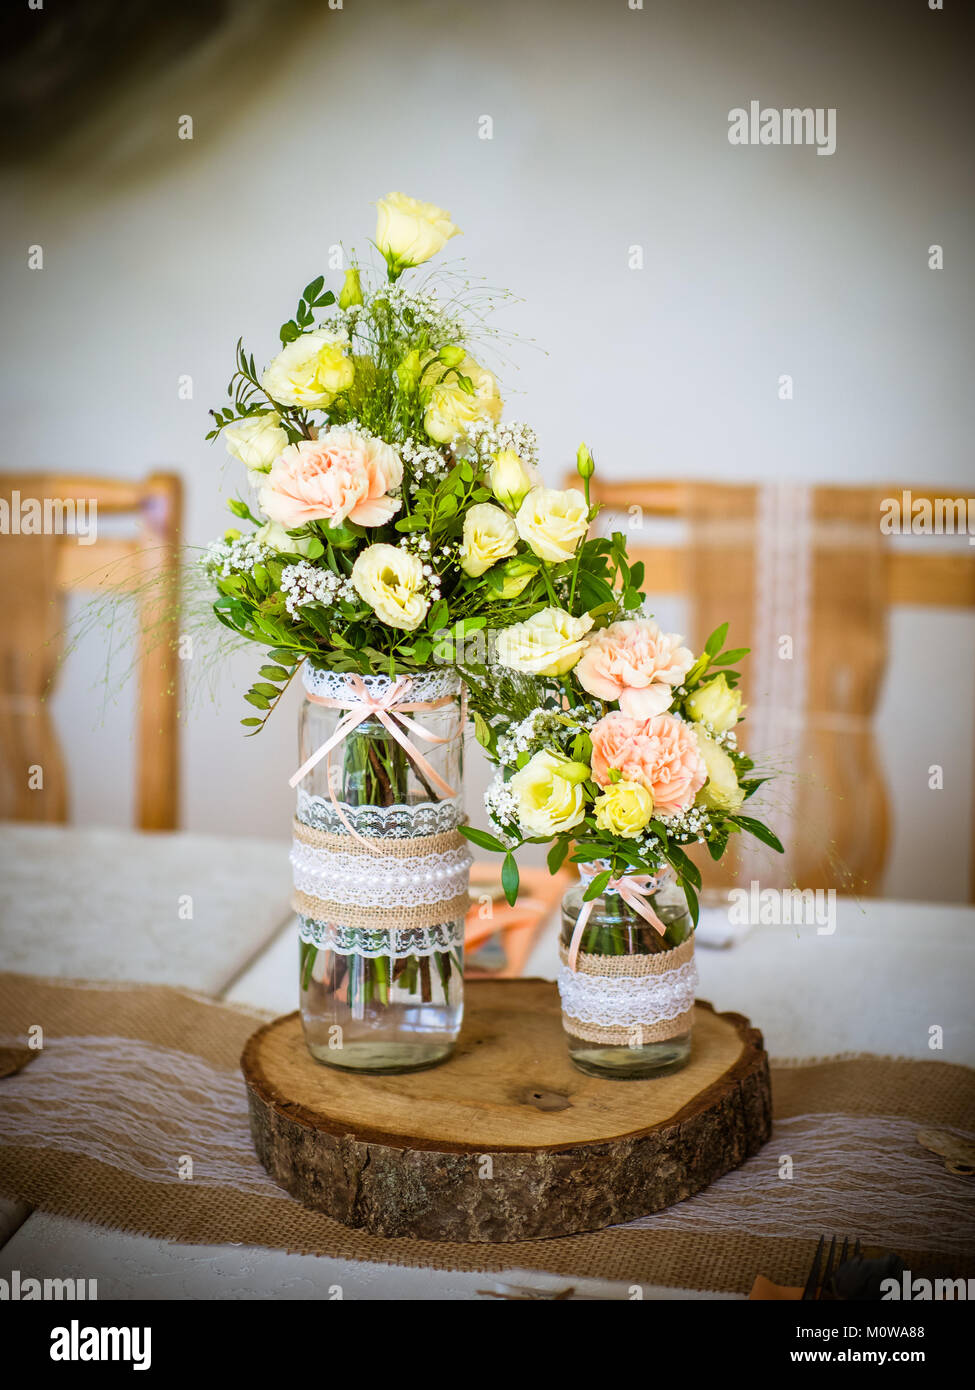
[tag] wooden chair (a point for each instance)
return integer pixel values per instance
(40, 569)
(726, 565)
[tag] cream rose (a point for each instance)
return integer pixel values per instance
(489, 536)
(390, 580)
(553, 522)
(311, 371)
(510, 480)
(548, 794)
(409, 232)
(256, 441)
(715, 703)
(548, 644)
(721, 791)
(635, 663)
(450, 409)
(342, 474)
(624, 809)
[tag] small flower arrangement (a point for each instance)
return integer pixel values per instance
(614, 738)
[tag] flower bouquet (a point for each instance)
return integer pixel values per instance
(616, 743)
(404, 557)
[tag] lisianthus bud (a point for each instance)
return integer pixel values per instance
(231, 534)
(509, 479)
(584, 462)
(351, 290)
(517, 573)
(451, 356)
(408, 371)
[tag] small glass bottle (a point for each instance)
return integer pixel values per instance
(627, 979)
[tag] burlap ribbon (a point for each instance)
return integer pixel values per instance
(629, 967)
(376, 916)
(120, 1166)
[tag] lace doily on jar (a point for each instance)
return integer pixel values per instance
(385, 882)
(395, 941)
(424, 685)
(399, 822)
(623, 1001)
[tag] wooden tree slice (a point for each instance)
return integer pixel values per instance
(506, 1140)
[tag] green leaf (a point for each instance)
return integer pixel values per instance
(252, 722)
(263, 688)
(714, 643)
(510, 878)
(556, 855)
(259, 701)
(438, 615)
(483, 839)
(684, 866)
(597, 886)
(730, 657)
(274, 673)
(692, 902)
(313, 289)
(717, 847)
(760, 831)
(482, 730)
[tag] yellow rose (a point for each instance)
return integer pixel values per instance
(548, 794)
(553, 522)
(256, 441)
(509, 479)
(311, 371)
(409, 232)
(390, 580)
(451, 409)
(721, 791)
(715, 703)
(624, 809)
(489, 536)
(548, 644)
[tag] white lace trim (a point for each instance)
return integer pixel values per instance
(388, 882)
(424, 685)
(399, 822)
(390, 941)
(613, 1001)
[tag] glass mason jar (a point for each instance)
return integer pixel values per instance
(380, 869)
(627, 1006)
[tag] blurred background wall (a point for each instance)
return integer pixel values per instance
(610, 131)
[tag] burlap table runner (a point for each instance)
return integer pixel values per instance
(133, 1081)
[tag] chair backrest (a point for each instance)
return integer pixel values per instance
(806, 577)
(41, 561)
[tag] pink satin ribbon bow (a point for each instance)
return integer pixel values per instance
(389, 709)
(633, 889)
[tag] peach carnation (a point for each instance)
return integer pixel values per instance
(341, 475)
(635, 663)
(660, 754)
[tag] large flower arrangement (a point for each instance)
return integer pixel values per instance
(396, 522)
